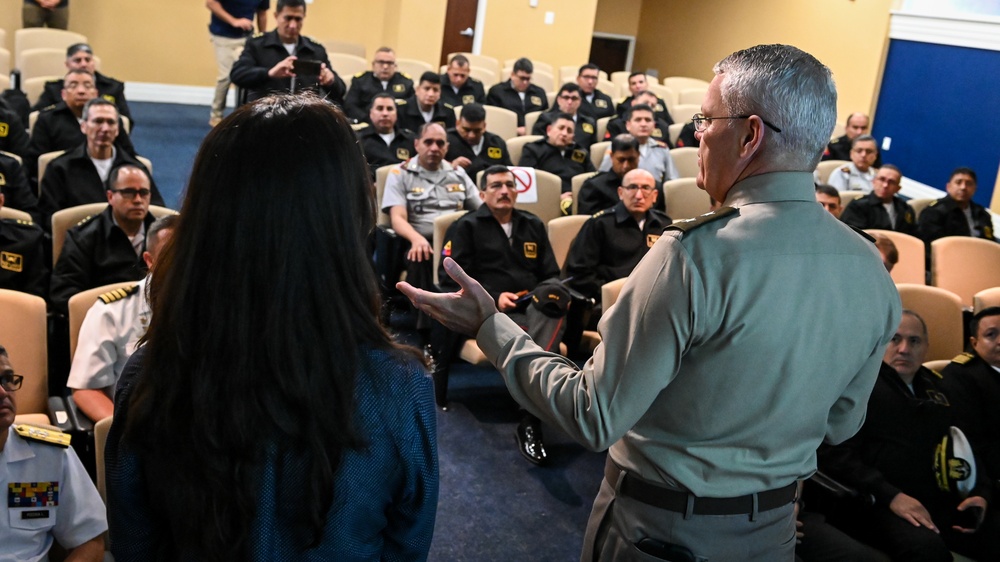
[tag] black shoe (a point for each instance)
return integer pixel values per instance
(529, 441)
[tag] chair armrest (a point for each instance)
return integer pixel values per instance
(59, 415)
(79, 420)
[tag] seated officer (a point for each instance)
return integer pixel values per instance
(881, 208)
(857, 175)
(558, 154)
(508, 251)
(661, 130)
(921, 512)
(518, 94)
(23, 264)
(637, 83)
(457, 87)
(600, 191)
(80, 56)
(840, 147)
(829, 198)
(14, 183)
(956, 214)
(383, 77)
(473, 148)
(49, 495)
(269, 60)
(13, 133)
(425, 105)
(654, 155)
(383, 141)
(611, 243)
(106, 248)
(80, 175)
(110, 332)
(595, 104)
(568, 102)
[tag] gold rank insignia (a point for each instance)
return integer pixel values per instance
(468, 98)
(400, 102)
(494, 152)
(4, 129)
(455, 188)
(530, 250)
(587, 128)
(962, 359)
(117, 294)
(417, 190)
(42, 435)
(109, 97)
(651, 239)
(536, 100)
(600, 103)
(579, 156)
(398, 88)
(402, 154)
(3, 179)
(12, 262)
(658, 133)
(360, 74)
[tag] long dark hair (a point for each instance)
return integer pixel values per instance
(262, 301)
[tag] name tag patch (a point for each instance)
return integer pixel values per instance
(600, 103)
(494, 152)
(11, 261)
(536, 100)
(35, 514)
(33, 494)
(468, 98)
(588, 128)
(530, 250)
(398, 88)
(579, 156)
(402, 154)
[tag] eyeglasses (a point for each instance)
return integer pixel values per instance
(701, 122)
(643, 188)
(384, 62)
(10, 382)
(130, 193)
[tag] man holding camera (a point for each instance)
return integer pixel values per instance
(284, 60)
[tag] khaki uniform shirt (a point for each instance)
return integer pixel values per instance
(849, 178)
(427, 194)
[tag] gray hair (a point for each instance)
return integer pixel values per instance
(789, 88)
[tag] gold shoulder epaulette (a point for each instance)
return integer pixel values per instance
(400, 101)
(932, 203)
(118, 294)
(405, 75)
(86, 219)
(935, 373)
(449, 106)
(598, 213)
(963, 358)
(24, 222)
(258, 34)
(360, 74)
(687, 225)
(359, 126)
(846, 169)
(43, 435)
(48, 107)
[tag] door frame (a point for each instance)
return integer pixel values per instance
(629, 38)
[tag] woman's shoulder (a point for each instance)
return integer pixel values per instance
(389, 370)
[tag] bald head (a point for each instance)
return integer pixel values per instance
(638, 193)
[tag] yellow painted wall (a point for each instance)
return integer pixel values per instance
(688, 38)
(618, 16)
(514, 29)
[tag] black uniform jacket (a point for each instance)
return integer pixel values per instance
(57, 128)
(973, 387)
(13, 135)
(72, 179)
(661, 131)
(584, 131)
(504, 95)
(479, 244)
(868, 212)
(409, 116)
(96, 252)
(564, 163)
(365, 85)
(23, 265)
(944, 218)
(380, 154)
(107, 88)
(470, 92)
(660, 111)
(14, 185)
(263, 51)
(602, 106)
(601, 192)
(608, 247)
(494, 152)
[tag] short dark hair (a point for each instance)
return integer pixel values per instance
(109, 184)
(168, 222)
(828, 190)
(282, 4)
(76, 48)
(562, 115)
(893, 167)
(864, 138)
(588, 66)
(976, 318)
(637, 107)
(569, 87)
(381, 95)
(473, 112)
(624, 142)
(430, 77)
(94, 102)
(494, 169)
(460, 60)
(77, 71)
(634, 74)
(907, 311)
(885, 244)
(963, 170)
(523, 65)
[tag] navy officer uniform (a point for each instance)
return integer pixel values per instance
(564, 163)
(584, 128)
(13, 136)
(410, 117)
(597, 105)
(661, 131)
(659, 112)
(504, 95)
(264, 50)
(365, 85)
(107, 88)
(472, 91)
(973, 385)
(869, 212)
(493, 151)
(17, 193)
(600, 192)
(945, 218)
(378, 152)
(23, 265)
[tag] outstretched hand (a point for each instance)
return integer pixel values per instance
(463, 311)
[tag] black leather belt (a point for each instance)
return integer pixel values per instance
(677, 501)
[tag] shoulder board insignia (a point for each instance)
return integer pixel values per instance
(3, 178)
(687, 225)
(536, 100)
(659, 108)
(600, 103)
(109, 97)
(579, 156)
(398, 100)
(360, 74)
(987, 233)
(448, 105)
(43, 435)
(4, 129)
(11, 261)
(48, 107)
(24, 222)
(360, 126)
(963, 358)
(846, 169)
(258, 34)
(934, 202)
(405, 75)
(598, 213)
(86, 220)
(394, 171)
(468, 98)
(118, 294)
(494, 152)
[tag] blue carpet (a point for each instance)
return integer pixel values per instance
(169, 135)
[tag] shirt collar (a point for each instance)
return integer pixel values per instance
(771, 187)
(16, 449)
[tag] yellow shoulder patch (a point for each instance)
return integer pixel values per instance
(687, 225)
(360, 74)
(118, 294)
(405, 75)
(963, 358)
(86, 219)
(598, 213)
(846, 169)
(42, 435)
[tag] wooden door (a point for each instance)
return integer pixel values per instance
(609, 54)
(459, 23)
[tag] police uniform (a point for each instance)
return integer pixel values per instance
(472, 91)
(973, 386)
(659, 111)
(108, 337)
(840, 149)
(378, 153)
(97, 252)
(597, 105)
(23, 266)
(72, 179)
(410, 117)
(850, 178)
(616, 127)
(13, 136)
(600, 192)
(504, 95)
(264, 50)
(693, 387)
(493, 151)
(107, 88)
(17, 194)
(365, 85)
(654, 157)
(869, 212)
(945, 218)
(49, 497)
(584, 128)
(428, 194)
(608, 247)
(563, 162)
